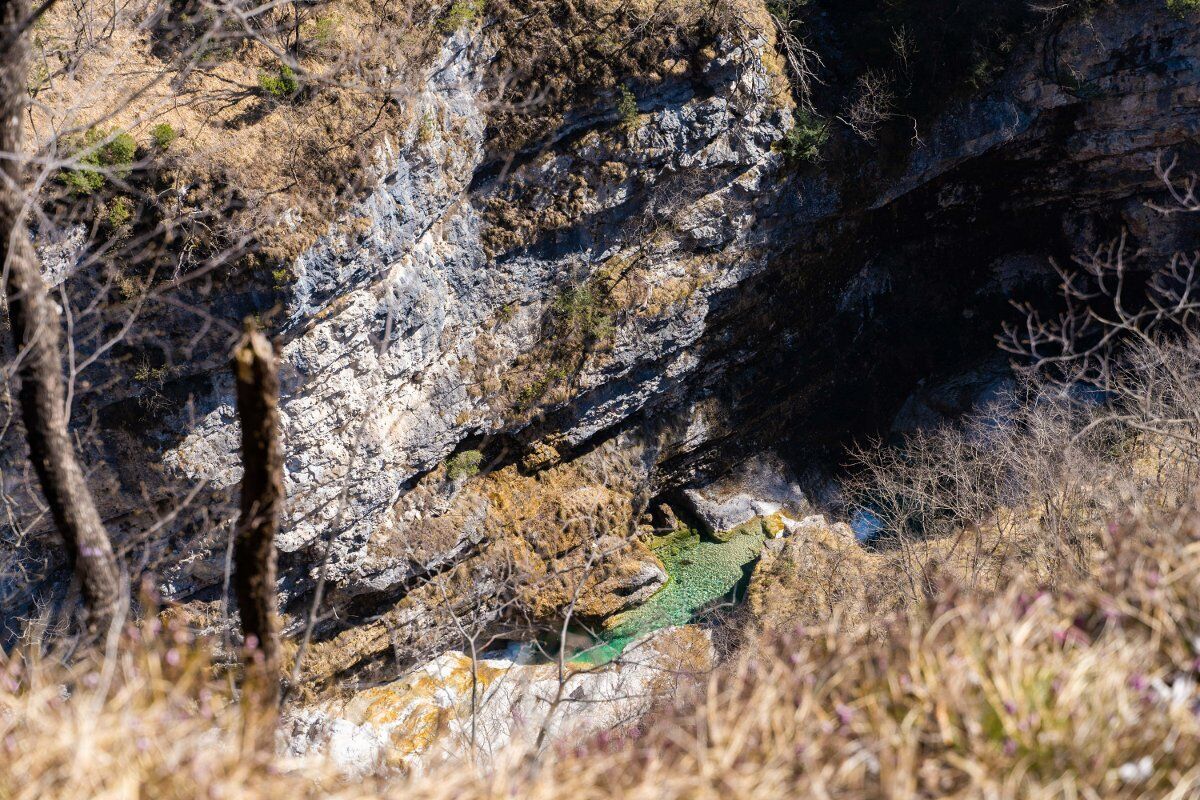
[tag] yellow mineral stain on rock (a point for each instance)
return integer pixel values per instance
(419, 711)
(437, 710)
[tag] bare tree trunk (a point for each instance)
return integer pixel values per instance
(35, 327)
(254, 366)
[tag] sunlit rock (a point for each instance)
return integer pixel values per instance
(457, 707)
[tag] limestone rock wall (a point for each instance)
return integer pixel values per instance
(637, 306)
(406, 335)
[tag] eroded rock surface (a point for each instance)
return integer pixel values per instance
(756, 488)
(405, 337)
(637, 308)
(454, 706)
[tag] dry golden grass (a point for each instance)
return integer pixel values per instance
(284, 166)
(1085, 691)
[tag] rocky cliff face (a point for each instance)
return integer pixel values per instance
(646, 300)
(407, 330)
(913, 272)
(466, 301)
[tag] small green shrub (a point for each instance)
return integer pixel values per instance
(325, 29)
(96, 152)
(426, 128)
(581, 320)
(82, 181)
(39, 75)
(582, 312)
(461, 13)
(785, 10)
(119, 151)
(214, 52)
(281, 84)
(120, 212)
(531, 392)
(464, 464)
(805, 140)
(163, 135)
(1183, 7)
(627, 107)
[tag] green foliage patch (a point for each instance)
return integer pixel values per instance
(163, 135)
(582, 314)
(120, 213)
(280, 84)
(464, 464)
(461, 14)
(804, 141)
(627, 107)
(785, 10)
(581, 320)
(96, 153)
(427, 127)
(325, 29)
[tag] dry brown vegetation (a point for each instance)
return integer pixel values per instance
(1086, 689)
(1023, 645)
(276, 111)
(557, 56)
(1027, 626)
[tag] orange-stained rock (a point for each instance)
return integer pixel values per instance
(451, 707)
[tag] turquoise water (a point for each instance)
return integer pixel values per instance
(700, 570)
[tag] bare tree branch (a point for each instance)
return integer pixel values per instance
(34, 319)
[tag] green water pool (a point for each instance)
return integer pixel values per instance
(700, 571)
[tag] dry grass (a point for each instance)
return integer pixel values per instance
(279, 167)
(275, 169)
(1087, 690)
(976, 661)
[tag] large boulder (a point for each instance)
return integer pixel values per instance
(758, 488)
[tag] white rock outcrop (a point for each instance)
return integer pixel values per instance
(453, 707)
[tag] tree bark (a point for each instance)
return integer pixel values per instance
(254, 366)
(35, 325)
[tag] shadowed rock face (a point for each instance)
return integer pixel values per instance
(911, 275)
(644, 304)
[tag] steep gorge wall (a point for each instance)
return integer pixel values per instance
(638, 304)
(912, 275)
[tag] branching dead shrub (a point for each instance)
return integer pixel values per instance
(873, 104)
(1108, 415)
(1029, 478)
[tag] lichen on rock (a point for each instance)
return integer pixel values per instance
(456, 706)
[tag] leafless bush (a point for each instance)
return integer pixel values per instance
(873, 104)
(803, 61)
(968, 497)
(1132, 334)
(1107, 416)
